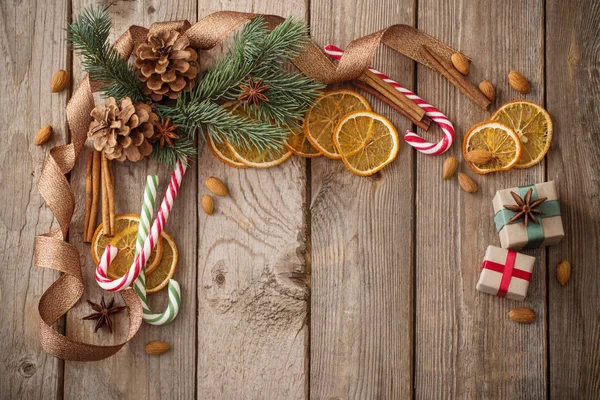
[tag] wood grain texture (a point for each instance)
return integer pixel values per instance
(466, 346)
(32, 42)
(252, 294)
(131, 373)
(362, 239)
(573, 101)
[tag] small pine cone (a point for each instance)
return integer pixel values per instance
(167, 64)
(122, 131)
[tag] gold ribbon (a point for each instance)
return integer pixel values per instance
(51, 249)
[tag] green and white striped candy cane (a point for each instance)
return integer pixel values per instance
(140, 283)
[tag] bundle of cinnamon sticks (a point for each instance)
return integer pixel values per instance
(370, 83)
(99, 181)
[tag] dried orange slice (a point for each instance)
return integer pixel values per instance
(224, 153)
(126, 228)
(158, 279)
(300, 146)
(533, 125)
(325, 114)
(366, 141)
(256, 159)
(497, 138)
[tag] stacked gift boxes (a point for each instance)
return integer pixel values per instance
(526, 217)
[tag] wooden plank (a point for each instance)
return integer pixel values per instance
(131, 373)
(572, 32)
(466, 347)
(252, 295)
(362, 242)
(32, 42)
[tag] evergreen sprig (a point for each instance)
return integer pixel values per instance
(88, 34)
(262, 54)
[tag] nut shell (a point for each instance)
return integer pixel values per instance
(208, 204)
(488, 89)
(519, 82)
(478, 156)
(43, 135)
(216, 186)
(461, 63)
(156, 348)
(449, 168)
(522, 315)
(563, 272)
(59, 81)
(467, 183)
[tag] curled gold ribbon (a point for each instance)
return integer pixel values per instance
(53, 252)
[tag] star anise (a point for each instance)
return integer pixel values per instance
(165, 132)
(525, 209)
(254, 92)
(103, 313)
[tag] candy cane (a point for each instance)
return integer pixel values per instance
(140, 283)
(436, 115)
(159, 222)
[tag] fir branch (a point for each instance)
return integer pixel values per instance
(224, 127)
(290, 94)
(262, 54)
(255, 51)
(235, 66)
(88, 34)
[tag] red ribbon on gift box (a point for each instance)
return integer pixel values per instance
(508, 271)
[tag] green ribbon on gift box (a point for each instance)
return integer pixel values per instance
(535, 232)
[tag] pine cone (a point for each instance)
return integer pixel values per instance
(167, 64)
(122, 131)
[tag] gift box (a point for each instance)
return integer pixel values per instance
(505, 273)
(544, 223)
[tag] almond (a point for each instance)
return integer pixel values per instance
(208, 204)
(216, 186)
(563, 272)
(449, 168)
(518, 82)
(488, 89)
(43, 135)
(461, 63)
(522, 315)
(478, 156)
(59, 81)
(156, 348)
(468, 184)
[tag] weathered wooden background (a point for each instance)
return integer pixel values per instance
(309, 281)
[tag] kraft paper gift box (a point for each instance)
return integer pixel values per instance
(514, 235)
(505, 273)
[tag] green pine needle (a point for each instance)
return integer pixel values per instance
(88, 34)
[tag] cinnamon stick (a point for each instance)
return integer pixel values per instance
(455, 77)
(423, 124)
(88, 195)
(96, 164)
(394, 95)
(111, 197)
(105, 206)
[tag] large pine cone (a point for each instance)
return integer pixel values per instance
(167, 64)
(122, 131)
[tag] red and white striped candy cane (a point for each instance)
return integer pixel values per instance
(157, 226)
(436, 115)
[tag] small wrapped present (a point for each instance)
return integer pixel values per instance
(505, 273)
(528, 217)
